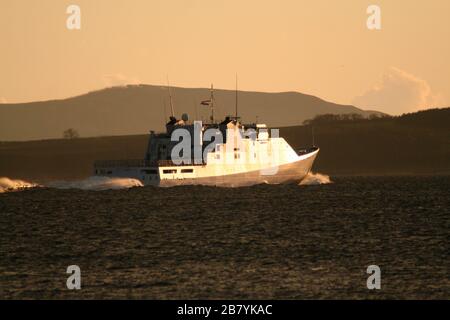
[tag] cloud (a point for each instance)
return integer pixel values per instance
(114, 80)
(398, 92)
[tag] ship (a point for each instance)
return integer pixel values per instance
(223, 154)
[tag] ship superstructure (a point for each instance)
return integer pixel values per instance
(227, 154)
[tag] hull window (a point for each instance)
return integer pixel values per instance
(187, 170)
(167, 171)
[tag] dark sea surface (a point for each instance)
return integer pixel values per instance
(267, 241)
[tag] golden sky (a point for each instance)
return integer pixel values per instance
(320, 47)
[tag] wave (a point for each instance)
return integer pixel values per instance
(91, 183)
(315, 179)
(97, 183)
(7, 184)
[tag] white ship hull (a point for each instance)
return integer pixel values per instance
(166, 176)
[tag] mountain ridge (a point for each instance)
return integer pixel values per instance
(135, 109)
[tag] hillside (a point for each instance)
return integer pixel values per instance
(137, 109)
(417, 143)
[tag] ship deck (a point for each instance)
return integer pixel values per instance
(140, 163)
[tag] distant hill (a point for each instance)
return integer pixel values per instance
(416, 143)
(139, 108)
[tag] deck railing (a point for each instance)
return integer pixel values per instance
(138, 163)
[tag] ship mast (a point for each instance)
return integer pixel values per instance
(165, 112)
(212, 103)
(236, 107)
(170, 98)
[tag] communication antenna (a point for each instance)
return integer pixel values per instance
(165, 111)
(212, 103)
(170, 98)
(236, 98)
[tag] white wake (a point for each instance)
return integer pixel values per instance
(315, 179)
(7, 184)
(91, 183)
(97, 183)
